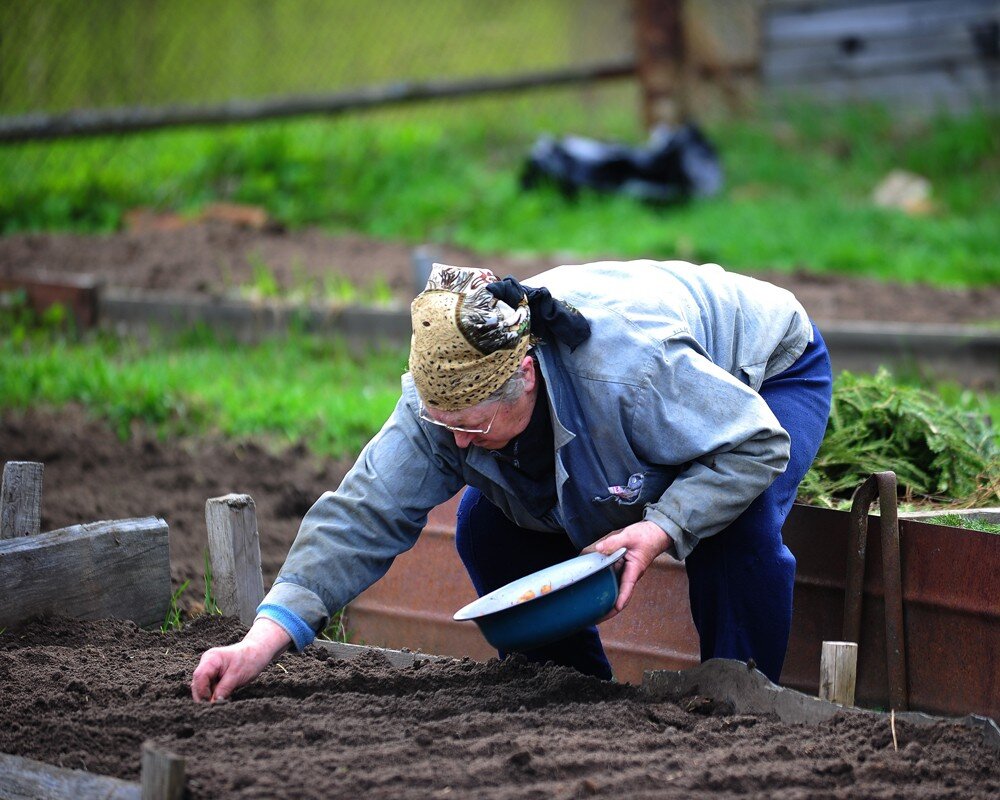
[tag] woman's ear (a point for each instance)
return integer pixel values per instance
(528, 367)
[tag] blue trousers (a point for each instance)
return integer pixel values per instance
(741, 579)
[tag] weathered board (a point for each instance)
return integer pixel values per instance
(101, 569)
(27, 779)
(234, 547)
(920, 55)
(398, 658)
(748, 691)
(21, 499)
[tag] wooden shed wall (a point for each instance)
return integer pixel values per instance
(916, 56)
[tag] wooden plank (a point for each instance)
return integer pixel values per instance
(234, 548)
(398, 658)
(101, 569)
(21, 499)
(27, 779)
(794, 64)
(162, 774)
(748, 691)
(918, 17)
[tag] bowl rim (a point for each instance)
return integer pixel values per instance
(556, 577)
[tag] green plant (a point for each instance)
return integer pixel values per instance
(335, 631)
(284, 390)
(264, 283)
(211, 607)
(173, 621)
(962, 521)
(340, 290)
(938, 451)
(18, 319)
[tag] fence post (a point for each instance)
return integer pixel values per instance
(234, 550)
(659, 44)
(162, 774)
(21, 499)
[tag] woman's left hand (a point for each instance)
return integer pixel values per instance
(643, 541)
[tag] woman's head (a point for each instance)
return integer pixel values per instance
(466, 343)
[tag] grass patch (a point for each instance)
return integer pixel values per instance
(799, 182)
(286, 390)
(306, 389)
(332, 289)
(174, 619)
(970, 523)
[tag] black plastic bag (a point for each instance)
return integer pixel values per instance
(674, 165)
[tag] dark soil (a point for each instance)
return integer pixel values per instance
(87, 694)
(216, 257)
(90, 474)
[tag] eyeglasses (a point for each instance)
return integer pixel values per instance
(426, 417)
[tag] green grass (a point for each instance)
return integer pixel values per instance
(970, 523)
(289, 390)
(798, 189)
(303, 389)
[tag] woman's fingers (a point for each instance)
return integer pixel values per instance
(206, 675)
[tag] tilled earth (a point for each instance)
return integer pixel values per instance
(87, 694)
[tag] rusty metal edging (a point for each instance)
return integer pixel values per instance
(951, 611)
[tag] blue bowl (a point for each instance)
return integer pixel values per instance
(547, 605)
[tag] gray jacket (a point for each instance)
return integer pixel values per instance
(656, 416)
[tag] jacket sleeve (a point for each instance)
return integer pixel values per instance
(349, 538)
(691, 412)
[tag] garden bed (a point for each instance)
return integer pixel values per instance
(85, 695)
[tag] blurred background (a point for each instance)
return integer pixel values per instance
(414, 121)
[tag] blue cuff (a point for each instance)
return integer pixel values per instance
(296, 627)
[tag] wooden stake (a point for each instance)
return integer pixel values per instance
(234, 549)
(21, 499)
(162, 774)
(838, 672)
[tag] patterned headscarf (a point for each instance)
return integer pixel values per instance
(466, 342)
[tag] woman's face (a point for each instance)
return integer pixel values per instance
(494, 424)
(490, 425)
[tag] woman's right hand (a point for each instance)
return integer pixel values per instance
(222, 670)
